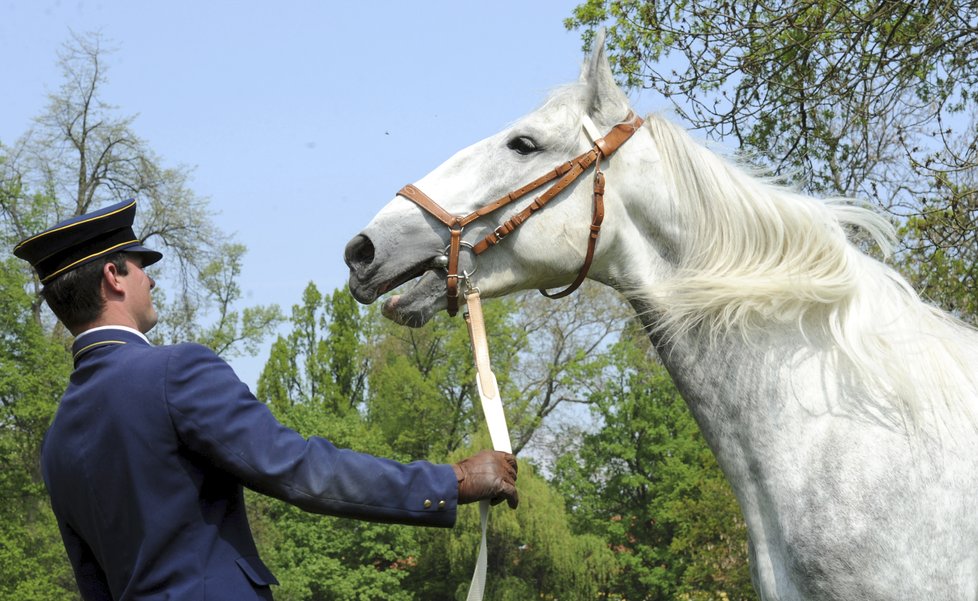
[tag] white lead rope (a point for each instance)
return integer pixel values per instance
(492, 406)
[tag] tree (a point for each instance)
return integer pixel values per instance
(647, 484)
(80, 154)
(235, 332)
(323, 361)
(561, 357)
(943, 260)
(422, 388)
(33, 370)
(873, 99)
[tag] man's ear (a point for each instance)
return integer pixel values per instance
(111, 279)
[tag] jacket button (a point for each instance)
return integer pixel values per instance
(441, 504)
(427, 503)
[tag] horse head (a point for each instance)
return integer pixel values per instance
(409, 239)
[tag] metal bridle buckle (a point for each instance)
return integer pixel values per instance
(442, 261)
(499, 234)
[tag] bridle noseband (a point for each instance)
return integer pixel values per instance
(565, 174)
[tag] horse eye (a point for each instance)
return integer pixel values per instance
(523, 145)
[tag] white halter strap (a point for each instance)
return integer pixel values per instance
(492, 406)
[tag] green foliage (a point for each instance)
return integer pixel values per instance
(423, 395)
(559, 354)
(322, 361)
(545, 355)
(943, 263)
(647, 484)
(235, 332)
(33, 370)
(320, 557)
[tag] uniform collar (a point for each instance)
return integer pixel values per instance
(105, 336)
(124, 328)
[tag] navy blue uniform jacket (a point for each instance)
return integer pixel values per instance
(145, 462)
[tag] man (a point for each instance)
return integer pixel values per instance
(147, 455)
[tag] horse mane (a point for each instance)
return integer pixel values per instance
(758, 254)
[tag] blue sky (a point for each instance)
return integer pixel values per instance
(301, 119)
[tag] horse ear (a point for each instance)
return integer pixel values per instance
(605, 100)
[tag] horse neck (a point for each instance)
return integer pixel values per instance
(703, 370)
(726, 380)
(742, 392)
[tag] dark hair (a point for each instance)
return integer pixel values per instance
(75, 296)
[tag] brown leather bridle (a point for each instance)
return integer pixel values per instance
(565, 174)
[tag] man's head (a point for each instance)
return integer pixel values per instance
(115, 285)
(92, 269)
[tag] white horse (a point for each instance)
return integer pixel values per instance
(840, 407)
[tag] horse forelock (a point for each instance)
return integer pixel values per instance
(759, 253)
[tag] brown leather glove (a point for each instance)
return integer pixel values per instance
(487, 475)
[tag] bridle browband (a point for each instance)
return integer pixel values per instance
(565, 174)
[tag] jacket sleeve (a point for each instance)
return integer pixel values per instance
(216, 416)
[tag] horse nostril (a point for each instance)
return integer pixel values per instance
(359, 252)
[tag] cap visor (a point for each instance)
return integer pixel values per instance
(149, 256)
